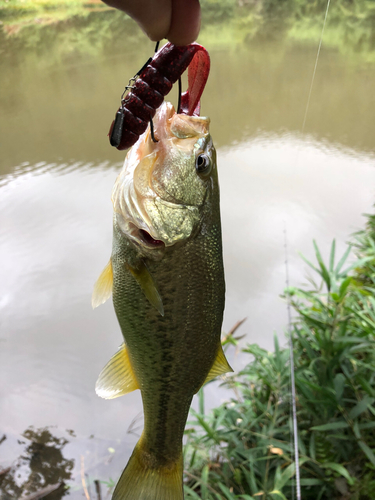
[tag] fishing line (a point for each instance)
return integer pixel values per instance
(292, 377)
(316, 65)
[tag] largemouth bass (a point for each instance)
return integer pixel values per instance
(167, 279)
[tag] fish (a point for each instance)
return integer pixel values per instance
(166, 277)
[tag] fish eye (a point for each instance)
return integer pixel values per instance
(203, 164)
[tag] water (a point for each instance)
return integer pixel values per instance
(57, 171)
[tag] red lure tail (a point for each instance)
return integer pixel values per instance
(155, 81)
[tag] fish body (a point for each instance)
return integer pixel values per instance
(168, 293)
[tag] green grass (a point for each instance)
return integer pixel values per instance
(243, 449)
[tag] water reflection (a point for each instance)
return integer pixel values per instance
(41, 469)
(63, 109)
(55, 239)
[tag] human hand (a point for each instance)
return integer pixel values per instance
(176, 20)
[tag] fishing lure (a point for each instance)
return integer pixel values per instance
(152, 83)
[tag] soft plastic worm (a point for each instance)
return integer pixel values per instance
(155, 81)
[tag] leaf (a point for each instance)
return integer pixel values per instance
(210, 432)
(285, 476)
(250, 477)
(308, 262)
(356, 430)
(339, 384)
(310, 482)
(344, 286)
(312, 447)
(278, 494)
(332, 256)
(361, 407)
(191, 492)
(368, 425)
(324, 273)
(226, 491)
(367, 451)
(306, 345)
(357, 263)
(349, 340)
(340, 469)
(343, 259)
(201, 401)
(330, 427)
(203, 483)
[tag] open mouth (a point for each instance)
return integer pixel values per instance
(149, 240)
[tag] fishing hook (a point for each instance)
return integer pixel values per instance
(152, 130)
(179, 96)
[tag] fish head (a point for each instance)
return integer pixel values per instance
(163, 187)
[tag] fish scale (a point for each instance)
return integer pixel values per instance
(167, 279)
(188, 335)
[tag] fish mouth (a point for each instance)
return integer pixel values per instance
(143, 237)
(149, 241)
(151, 205)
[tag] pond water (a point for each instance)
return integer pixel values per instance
(56, 174)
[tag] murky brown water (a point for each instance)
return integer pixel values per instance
(57, 171)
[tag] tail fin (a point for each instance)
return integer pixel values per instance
(140, 481)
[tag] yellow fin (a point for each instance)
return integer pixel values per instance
(219, 367)
(117, 377)
(142, 479)
(103, 286)
(147, 284)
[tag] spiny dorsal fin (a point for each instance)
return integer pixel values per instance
(117, 377)
(219, 367)
(148, 286)
(103, 286)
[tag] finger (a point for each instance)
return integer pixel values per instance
(153, 16)
(185, 22)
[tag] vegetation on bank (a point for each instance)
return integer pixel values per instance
(350, 25)
(18, 8)
(16, 15)
(244, 450)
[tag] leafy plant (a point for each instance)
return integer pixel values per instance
(244, 449)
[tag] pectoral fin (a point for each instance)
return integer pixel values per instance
(148, 286)
(103, 286)
(117, 377)
(219, 367)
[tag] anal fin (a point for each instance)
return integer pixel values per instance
(117, 377)
(146, 282)
(103, 286)
(219, 367)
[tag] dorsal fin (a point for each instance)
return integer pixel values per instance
(148, 286)
(117, 377)
(103, 286)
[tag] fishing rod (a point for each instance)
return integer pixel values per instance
(292, 378)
